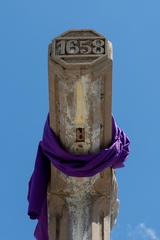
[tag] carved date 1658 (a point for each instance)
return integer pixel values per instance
(76, 47)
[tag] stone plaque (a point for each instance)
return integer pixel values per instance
(80, 46)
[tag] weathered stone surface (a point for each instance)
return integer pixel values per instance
(88, 206)
(80, 92)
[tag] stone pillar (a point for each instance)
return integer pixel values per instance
(80, 95)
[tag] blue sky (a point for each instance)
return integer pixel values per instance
(26, 28)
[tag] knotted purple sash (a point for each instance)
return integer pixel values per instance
(50, 150)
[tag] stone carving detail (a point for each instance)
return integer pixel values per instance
(80, 47)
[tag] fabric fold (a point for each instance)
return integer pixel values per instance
(50, 150)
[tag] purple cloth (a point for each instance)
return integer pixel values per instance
(50, 150)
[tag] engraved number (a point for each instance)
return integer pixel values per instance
(85, 48)
(98, 46)
(72, 47)
(60, 47)
(80, 47)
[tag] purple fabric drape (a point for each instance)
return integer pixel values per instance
(50, 150)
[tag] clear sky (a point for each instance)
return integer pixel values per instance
(26, 28)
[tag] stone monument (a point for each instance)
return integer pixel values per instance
(80, 96)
